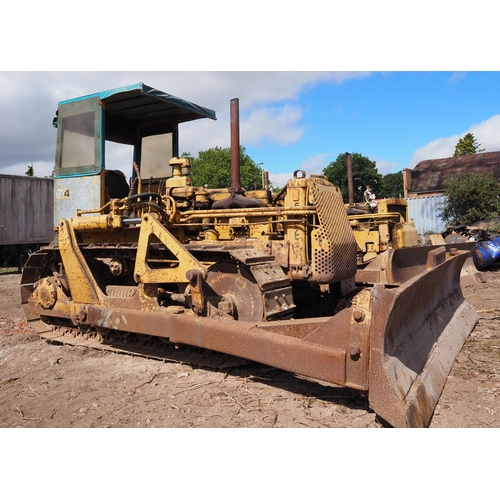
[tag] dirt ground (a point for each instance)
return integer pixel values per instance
(46, 385)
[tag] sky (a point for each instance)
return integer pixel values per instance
(288, 120)
(364, 78)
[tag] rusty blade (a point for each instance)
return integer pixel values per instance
(418, 330)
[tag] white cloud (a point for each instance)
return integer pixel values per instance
(385, 166)
(456, 77)
(28, 101)
(487, 134)
(314, 165)
(438, 148)
(42, 169)
(279, 180)
(273, 125)
(201, 135)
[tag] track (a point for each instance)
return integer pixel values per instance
(136, 345)
(60, 331)
(46, 262)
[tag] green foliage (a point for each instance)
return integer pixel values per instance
(30, 172)
(391, 186)
(364, 172)
(494, 229)
(467, 145)
(212, 168)
(471, 198)
(13, 257)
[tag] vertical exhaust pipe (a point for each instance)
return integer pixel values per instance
(350, 186)
(235, 146)
(237, 198)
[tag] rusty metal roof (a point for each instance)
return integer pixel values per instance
(431, 175)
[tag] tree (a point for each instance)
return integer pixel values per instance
(212, 168)
(467, 145)
(30, 172)
(391, 186)
(364, 172)
(471, 198)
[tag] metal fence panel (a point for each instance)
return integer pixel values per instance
(425, 213)
(26, 210)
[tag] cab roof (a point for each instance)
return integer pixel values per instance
(139, 106)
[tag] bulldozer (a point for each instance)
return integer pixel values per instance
(378, 224)
(385, 223)
(376, 231)
(158, 267)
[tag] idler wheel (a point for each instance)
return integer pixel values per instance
(234, 284)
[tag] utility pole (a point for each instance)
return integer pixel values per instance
(349, 179)
(262, 172)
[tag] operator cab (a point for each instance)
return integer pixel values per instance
(137, 115)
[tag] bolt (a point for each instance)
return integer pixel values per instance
(358, 315)
(353, 350)
(192, 276)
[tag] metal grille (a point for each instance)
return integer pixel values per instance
(334, 245)
(121, 292)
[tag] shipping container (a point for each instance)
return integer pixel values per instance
(26, 210)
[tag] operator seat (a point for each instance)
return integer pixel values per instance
(116, 184)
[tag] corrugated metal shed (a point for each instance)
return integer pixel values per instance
(26, 210)
(425, 213)
(431, 175)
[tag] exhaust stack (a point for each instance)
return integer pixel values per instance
(235, 147)
(350, 186)
(237, 198)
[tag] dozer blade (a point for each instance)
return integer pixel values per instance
(470, 275)
(417, 331)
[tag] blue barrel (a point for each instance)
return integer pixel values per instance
(485, 252)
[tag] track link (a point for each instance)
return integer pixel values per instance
(137, 345)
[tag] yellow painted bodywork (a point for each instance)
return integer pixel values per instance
(387, 227)
(169, 272)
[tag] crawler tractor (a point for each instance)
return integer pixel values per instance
(384, 224)
(376, 231)
(159, 267)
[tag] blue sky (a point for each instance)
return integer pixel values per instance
(395, 118)
(288, 120)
